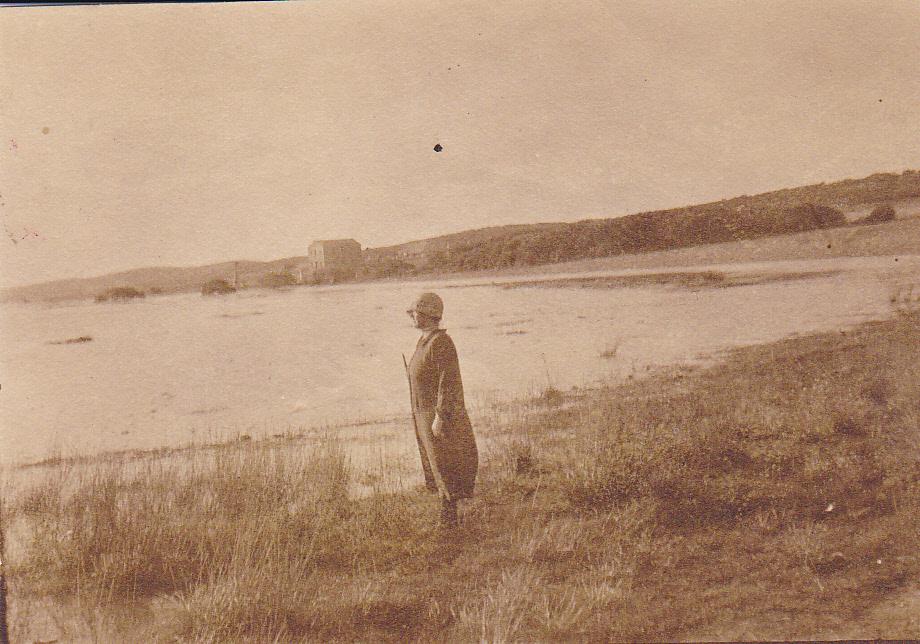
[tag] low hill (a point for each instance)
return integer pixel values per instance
(156, 280)
(746, 217)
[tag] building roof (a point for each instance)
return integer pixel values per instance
(336, 242)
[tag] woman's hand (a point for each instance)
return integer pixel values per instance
(437, 426)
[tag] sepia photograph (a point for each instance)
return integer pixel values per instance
(480, 321)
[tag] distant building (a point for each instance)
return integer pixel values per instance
(336, 259)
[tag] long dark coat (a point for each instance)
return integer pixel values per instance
(450, 461)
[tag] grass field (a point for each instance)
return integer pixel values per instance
(775, 495)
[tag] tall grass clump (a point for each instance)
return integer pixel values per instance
(242, 516)
(804, 432)
(248, 541)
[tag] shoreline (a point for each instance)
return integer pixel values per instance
(778, 481)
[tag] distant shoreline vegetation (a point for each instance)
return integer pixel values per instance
(218, 287)
(880, 214)
(120, 294)
(80, 340)
(278, 279)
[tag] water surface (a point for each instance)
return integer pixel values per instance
(166, 371)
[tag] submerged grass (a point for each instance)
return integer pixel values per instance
(774, 496)
(693, 280)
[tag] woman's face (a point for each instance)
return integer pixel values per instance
(423, 321)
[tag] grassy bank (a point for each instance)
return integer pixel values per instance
(773, 496)
(689, 280)
(901, 237)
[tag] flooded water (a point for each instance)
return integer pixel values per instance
(168, 371)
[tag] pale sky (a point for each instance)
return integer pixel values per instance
(150, 135)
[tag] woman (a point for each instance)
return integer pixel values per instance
(442, 427)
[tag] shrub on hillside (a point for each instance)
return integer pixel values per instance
(217, 287)
(278, 280)
(391, 267)
(881, 213)
(119, 294)
(810, 216)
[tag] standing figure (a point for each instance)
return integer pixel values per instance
(442, 427)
